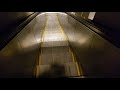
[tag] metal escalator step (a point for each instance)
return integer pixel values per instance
(41, 69)
(62, 58)
(51, 55)
(72, 68)
(54, 43)
(49, 71)
(57, 70)
(46, 59)
(60, 49)
(68, 57)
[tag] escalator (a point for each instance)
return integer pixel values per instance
(56, 45)
(56, 58)
(41, 49)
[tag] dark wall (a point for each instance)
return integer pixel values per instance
(111, 22)
(8, 18)
(108, 19)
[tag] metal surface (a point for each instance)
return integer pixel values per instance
(42, 39)
(97, 56)
(46, 39)
(55, 58)
(18, 57)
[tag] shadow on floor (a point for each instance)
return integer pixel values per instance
(56, 71)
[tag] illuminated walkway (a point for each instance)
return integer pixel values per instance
(41, 49)
(56, 58)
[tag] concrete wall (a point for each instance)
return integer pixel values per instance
(97, 56)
